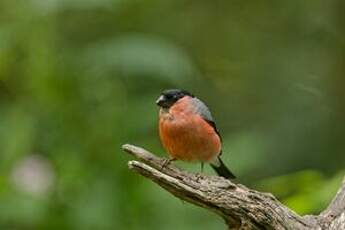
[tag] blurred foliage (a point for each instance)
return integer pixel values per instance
(79, 78)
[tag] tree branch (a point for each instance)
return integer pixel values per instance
(333, 217)
(239, 206)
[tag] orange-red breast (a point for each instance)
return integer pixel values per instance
(188, 132)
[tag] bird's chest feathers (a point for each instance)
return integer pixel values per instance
(175, 124)
(179, 123)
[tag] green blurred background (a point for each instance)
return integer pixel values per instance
(78, 78)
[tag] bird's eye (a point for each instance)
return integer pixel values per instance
(179, 95)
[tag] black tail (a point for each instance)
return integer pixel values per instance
(222, 170)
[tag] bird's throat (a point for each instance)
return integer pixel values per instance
(165, 114)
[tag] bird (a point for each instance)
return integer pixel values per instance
(188, 131)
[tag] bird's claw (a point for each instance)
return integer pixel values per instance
(167, 162)
(199, 176)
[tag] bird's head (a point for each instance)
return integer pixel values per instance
(169, 96)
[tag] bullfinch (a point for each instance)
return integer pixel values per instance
(188, 132)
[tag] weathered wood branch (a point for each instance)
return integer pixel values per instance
(239, 206)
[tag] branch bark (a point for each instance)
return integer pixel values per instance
(239, 206)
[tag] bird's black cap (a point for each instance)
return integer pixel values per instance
(169, 96)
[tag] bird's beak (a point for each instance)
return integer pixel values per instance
(160, 101)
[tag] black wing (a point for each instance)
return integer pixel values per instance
(213, 124)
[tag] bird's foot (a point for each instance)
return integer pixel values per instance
(167, 162)
(199, 176)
